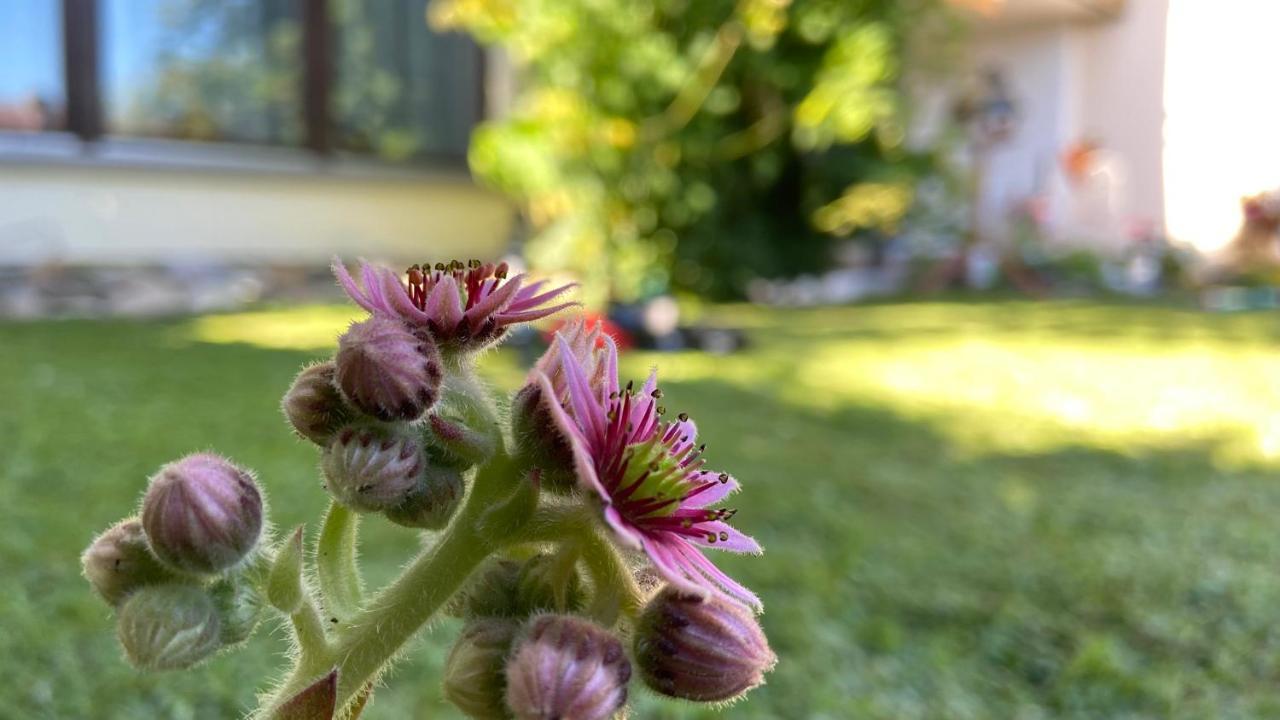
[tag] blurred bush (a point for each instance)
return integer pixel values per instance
(657, 144)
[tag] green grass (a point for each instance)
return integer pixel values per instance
(970, 510)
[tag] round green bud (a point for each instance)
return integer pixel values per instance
(432, 502)
(473, 673)
(169, 627)
(239, 606)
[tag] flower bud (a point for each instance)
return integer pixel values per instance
(168, 627)
(313, 405)
(493, 591)
(460, 445)
(371, 468)
(473, 672)
(538, 440)
(386, 371)
(704, 649)
(202, 514)
(119, 562)
(566, 667)
(432, 501)
(239, 606)
(549, 583)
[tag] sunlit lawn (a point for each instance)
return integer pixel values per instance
(971, 510)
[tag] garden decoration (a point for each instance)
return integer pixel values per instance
(567, 532)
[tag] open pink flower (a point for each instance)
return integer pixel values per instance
(648, 472)
(462, 306)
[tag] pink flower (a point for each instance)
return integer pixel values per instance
(647, 472)
(461, 306)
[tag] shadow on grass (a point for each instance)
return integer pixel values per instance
(904, 577)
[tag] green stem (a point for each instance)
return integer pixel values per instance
(372, 637)
(336, 567)
(308, 628)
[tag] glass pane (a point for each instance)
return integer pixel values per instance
(223, 70)
(31, 89)
(402, 90)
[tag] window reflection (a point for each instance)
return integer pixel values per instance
(31, 85)
(214, 70)
(401, 90)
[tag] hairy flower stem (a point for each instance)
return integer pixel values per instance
(368, 641)
(336, 567)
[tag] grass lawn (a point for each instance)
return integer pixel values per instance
(970, 510)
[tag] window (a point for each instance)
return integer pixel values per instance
(329, 76)
(204, 70)
(31, 89)
(400, 89)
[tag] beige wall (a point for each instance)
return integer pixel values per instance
(97, 214)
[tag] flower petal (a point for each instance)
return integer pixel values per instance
(397, 297)
(734, 540)
(673, 567)
(626, 531)
(444, 305)
(495, 301)
(349, 285)
(508, 318)
(714, 493)
(587, 409)
(525, 300)
(714, 576)
(582, 460)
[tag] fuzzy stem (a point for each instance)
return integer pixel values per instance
(372, 637)
(336, 567)
(308, 629)
(615, 589)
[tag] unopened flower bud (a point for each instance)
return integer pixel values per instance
(371, 468)
(566, 667)
(493, 592)
(119, 562)
(202, 514)
(473, 672)
(431, 502)
(459, 444)
(168, 627)
(704, 649)
(386, 371)
(239, 606)
(549, 583)
(313, 405)
(539, 441)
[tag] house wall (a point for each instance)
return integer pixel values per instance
(120, 215)
(1222, 132)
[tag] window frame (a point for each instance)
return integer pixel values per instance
(84, 139)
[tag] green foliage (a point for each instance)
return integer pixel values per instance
(985, 510)
(666, 142)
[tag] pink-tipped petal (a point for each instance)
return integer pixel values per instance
(444, 303)
(609, 387)
(524, 301)
(727, 538)
(713, 575)
(494, 301)
(622, 528)
(398, 298)
(716, 491)
(673, 567)
(349, 285)
(582, 461)
(586, 408)
(369, 276)
(508, 318)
